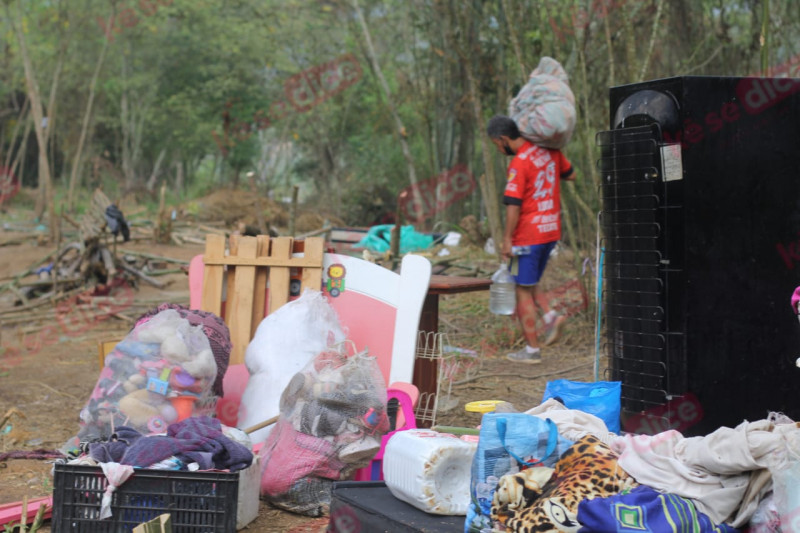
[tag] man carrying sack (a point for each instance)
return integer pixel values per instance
(533, 226)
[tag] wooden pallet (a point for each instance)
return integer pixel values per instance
(252, 265)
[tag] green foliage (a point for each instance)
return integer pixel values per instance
(196, 84)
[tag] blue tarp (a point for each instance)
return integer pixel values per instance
(379, 239)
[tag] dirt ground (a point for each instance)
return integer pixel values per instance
(50, 383)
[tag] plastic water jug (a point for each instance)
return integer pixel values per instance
(429, 470)
(502, 295)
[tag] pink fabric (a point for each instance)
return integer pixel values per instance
(795, 299)
(289, 456)
(116, 474)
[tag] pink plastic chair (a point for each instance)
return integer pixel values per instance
(379, 308)
(374, 471)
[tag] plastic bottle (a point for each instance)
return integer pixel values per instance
(502, 295)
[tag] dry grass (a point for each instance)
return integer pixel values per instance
(468, 324)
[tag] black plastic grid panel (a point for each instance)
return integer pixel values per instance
(636, 336)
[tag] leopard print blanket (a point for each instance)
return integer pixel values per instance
(543, 500)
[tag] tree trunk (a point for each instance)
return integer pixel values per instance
(401, 130)
(133, 112)
(45, 180)
(463, 39)
(487, 180)
(76, 161)
(179, 178)
(151, 182)
(629, 42)
(764, 40)
(52, 103)
(127, 167)
(512, 34)
(19, 160)
(22, 118)
(588, 131)
(653, 34)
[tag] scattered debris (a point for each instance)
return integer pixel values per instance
(91, 260)
(35, 512)
(6, 417)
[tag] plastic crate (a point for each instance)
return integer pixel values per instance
(199, 502)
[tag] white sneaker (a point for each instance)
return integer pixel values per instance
(524, 356)
(554, 329)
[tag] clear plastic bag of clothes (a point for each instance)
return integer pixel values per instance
(285, 341)
(162, 372)
(332, 418)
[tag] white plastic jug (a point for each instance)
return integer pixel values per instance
(429, 470)
(502, 295)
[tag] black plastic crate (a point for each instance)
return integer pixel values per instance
(199, 502)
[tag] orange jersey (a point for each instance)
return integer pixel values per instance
(533, 182)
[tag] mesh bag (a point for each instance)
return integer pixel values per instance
(332, 418)
(161, 372)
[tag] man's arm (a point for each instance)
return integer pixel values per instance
(567, 172)
(512, 217)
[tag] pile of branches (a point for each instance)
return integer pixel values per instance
(92, 259)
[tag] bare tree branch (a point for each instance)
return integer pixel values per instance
(76, 160)
(653, 34)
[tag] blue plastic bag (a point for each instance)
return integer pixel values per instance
(599, 398)
(509, 443)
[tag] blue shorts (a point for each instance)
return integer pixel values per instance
(528, 269)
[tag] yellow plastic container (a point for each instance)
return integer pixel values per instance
(482, 406)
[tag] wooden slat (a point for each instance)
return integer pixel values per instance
(240, 302)
(296, 262)
(312, 275)
(279, 275)
(260, 285)
(103, 349)
(212, 275)
(230, 276)
(253, 263)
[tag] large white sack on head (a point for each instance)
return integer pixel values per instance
(544, 109)
(285, 341)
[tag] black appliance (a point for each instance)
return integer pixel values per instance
(701, 237)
